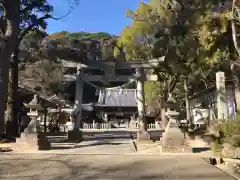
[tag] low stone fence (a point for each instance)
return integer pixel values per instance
(109, 126)
(150, 126)
(96, 126)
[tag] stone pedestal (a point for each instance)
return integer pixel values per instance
(31, 140)
(75, 136)
(142, 133)
(172, 135)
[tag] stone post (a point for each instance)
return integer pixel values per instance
(222, 105)
(76, 134)
(142, 133)
(187, 105)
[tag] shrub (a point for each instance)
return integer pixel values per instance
(215, 127)
(216, 147)
(234, 141)
(231, 128)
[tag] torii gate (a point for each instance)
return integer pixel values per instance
(109, 69)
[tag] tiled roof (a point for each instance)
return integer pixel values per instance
(118, 98)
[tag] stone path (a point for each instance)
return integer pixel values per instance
(108, 142)
(107, 167)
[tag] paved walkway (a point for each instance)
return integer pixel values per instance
(107, 167)
(108, 142)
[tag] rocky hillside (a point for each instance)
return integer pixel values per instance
(40, 68)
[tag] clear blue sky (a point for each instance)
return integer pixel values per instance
(92, 16)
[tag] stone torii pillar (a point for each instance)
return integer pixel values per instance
(76, 134)
(222, 103)
(78, 98)
(142, 133)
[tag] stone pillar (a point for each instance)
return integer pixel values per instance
(78, 99)
(187, 105)
(76, 134)
(222, 105)
(142, 134)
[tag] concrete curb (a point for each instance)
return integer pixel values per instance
(220, 166)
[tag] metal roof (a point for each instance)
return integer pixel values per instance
(117, 97)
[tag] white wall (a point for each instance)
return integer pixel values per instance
(211, 99)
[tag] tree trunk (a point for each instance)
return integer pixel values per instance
(163, 117)
(7, 44)
(13, 102)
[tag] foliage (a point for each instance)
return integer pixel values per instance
(77, 46)
(194, 37)
(231, 128)
(151, 93)
(80, 35)
(136, 38)
(216, 147)
(226, 131)
(31, 11)
(44, 76)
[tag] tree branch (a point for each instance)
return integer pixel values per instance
(47, 16)
(234, 33)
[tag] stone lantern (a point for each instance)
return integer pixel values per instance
(32, 139)
(173, 139)
(35, 109)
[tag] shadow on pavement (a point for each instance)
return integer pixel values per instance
(97, 144)
(200, 149)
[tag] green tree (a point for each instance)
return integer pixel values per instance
(193, 36)
(10, 25)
